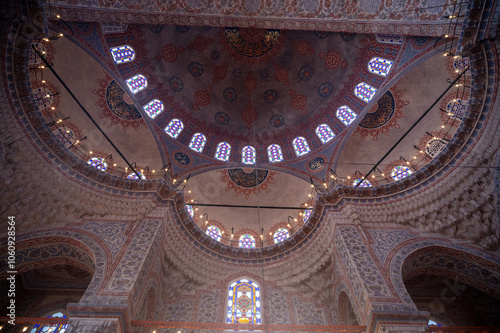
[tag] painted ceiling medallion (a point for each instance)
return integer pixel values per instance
(247, 180)
(251, 42)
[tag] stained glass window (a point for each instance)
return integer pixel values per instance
(400, 172)
(380, 66)
(300, 146)
(457, 108)
(198, 142)
(43, 97)
(98, 163)
(190, 210)
(306, 215)
(122, 54)
(280, 235)
(460, 64)
(248, 155)
(137, 83)
(244, 303)
(113, 27)
(223, 151)
(174, 128)
(324, 133)
(48, 328)
(153, 108)
(34, 59)
(65, 135)
(247, 241)
(434, 147)
(364, 92)
(389, 39)
(274, 153)
(361, 182)
(214, 232)
(346, 115)
(134, 176)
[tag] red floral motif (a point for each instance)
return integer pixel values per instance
(201, 98)
(250, 84)
(200, 43)
(220, 73)
(298, 102)
(281, 75)
(170, 53)
(303, 47)
(333, 59)
(249, 115)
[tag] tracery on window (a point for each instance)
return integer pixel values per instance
(361, 182)
(244, 303)
(274, 153)
(174, 128)
(214, 232)
(190, 210)
(51, 328)
(134, 176)
(247, 242)
(98, 163)
(389, 39)
(137, 83)
(122, 54)
(280, 235)
(400, 172)
(300, 146)
(346, 115)
(248, 155)
(460, 64)
(153, 108)
(457, 108)
(223, 151)
(306, 215)
(364, 91)
(434, 147)
(324, 133)
(198, 142)
(380, 66)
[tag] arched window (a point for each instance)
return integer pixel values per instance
(153, 108)
(324, 133)
(280, 235)
(362, 183)
(137, 83)
(214, 232)
(134, 176)
(248, 155)
(380, 66)
(434, 147)
(98, 163)
(389, 39)
(43, 97)
(306, 215)
(274, 153)
(246, 241)
(190, 210)
(54, 328)
(65, 135)
(364, 92)
(346, 115)
(223, 151)
(122, 54)
(460, 64)
(400, 172)
(198, 142)
(300, 146)
(244, 303)
(456, 108)
(174, 128)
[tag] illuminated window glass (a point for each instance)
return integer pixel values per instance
(457, 108)
(300, 146)
(214, 233)
(361, 182)
(324, 133)
(274, 153)
(280, 235)
(98, 163)
(433, 323)
(400, 172)
(460, 64)
(122, 54)
(190, 210)
(134, 176)
(54, 328)
(174, 128)
(137, 83)
(198, 142)
(306, 215)
(364, 92)
(244, 303)
(247, 241)
(346, 115)
(248, 155)
(380, 66)
(153, 108)
(223, 151)
(389, 39)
